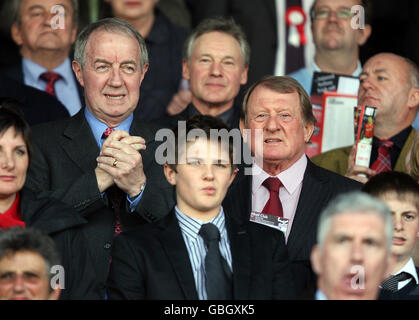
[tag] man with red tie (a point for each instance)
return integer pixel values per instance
(282, 188)
(45, 31)
(389, 83)
(102, 160)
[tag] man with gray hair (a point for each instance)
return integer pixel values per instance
(353, 251)
(28, 258)
(215, 61)
(101, 161)
(45, 31)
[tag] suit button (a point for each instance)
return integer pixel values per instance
(107, 246)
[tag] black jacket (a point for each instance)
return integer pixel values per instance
(62, 224)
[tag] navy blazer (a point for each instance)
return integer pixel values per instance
(37, 106)
(63, 168)
(319, 187)
(152, 262)
(16, 73)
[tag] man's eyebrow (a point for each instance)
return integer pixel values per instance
(108, 62)
(36, 6)
(375, 72)
(381, 71)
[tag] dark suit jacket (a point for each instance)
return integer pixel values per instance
(152, 262)
(162, 80)
(37, 106)
(16, 73)
(63, 168)
(319, 187)
(63, 225)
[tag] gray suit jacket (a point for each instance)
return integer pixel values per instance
(63, 168)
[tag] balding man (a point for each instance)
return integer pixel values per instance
(391, 84)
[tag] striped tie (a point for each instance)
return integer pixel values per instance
(392, 283)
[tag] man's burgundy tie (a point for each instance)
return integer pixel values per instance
(50, 78)
(273, 206)
(114, 192)
(383, 162)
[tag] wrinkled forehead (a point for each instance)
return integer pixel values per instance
(386, 63)
(359, 225)
(103, 41)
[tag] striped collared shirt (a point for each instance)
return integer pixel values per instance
(196, 248)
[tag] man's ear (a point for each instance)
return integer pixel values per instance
(364, 34)
(233, 176)
(308, 131)
(243, 76)
(16, 34)
(413, 98)
(185, 70)
(170, 174)
(78, 72)
(315, 259)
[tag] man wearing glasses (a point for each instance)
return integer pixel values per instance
(336, 40)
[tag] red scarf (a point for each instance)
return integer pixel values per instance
(12, 216)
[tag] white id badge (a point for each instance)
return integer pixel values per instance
(275, 222)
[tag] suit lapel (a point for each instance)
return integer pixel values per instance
(238, 200)
(305, 219)
(240, 253)
(80, 144)
(175, 248)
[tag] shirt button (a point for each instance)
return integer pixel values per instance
(107, 245)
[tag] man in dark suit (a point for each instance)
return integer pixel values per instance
(173, 259)
(278, 122)
(107, 180)
(401, 193)
(37, 106)
(45, 32)
(215, 62)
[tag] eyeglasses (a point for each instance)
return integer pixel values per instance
(325, 14)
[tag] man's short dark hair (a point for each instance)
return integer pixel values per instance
(393, 182)
(205, 123)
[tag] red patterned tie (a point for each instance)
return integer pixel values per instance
(50, 78)
(383, 162)
(114, 192)
(273, 206)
